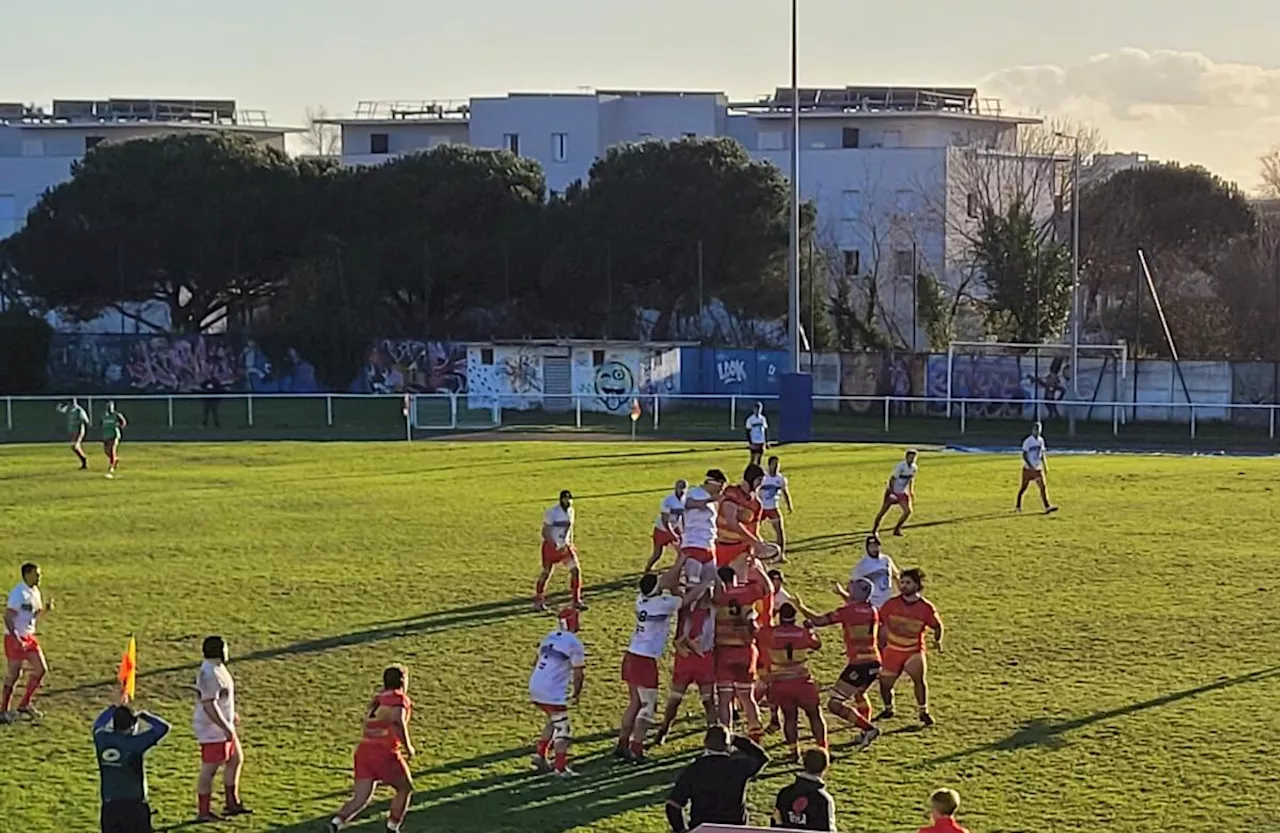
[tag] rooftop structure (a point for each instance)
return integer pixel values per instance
(134, 112)
(962, 102)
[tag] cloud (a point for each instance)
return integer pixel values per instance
(1171, 104)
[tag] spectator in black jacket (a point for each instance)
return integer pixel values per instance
(806, 804)
(714, 786)
(212, 390)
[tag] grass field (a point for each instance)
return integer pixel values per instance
(1116, 665)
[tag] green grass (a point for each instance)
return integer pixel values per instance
(1116, 664)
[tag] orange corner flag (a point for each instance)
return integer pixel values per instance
(128, 675)
(635, 409)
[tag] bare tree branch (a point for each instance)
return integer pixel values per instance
(1271, 173)
(320, 138)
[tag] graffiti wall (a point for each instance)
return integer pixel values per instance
(825, 368)
(91, 363)
(880, 374)
(998, 378)
(607, 380)
(508, 376)
(411, 366)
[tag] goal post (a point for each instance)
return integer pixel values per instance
(1038, 380)
(454, 412)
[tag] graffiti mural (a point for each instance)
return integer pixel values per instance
(410, 366)
(88, 363)
(999, 378)
(660, 374)
(880, 374)
(607, 380)
(509, 376)
(615, 386)
(181, 365)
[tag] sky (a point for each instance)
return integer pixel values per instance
(1197, 83)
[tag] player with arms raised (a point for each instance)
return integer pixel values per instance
(900, 492)
(1034, 467)
(737, 657)
(903, 621)
(113, 425)
(774, 486)
(666, 529)
(555, 684)
(23, 611)
(557, 548)
(738, 523)
(698, 534)
(379, 756)
(77, 424)
(860, 623)
(791, 687)
(695, 662)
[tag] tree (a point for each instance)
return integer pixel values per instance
(208, 224)
(654, 216)
(321, 138)
(1185, 220)
(1271, 173)
(1247, 283)
(1027, 278)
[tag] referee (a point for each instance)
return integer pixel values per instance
(121, 747)
(714, 786)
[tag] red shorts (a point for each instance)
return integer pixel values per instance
(727, 553)
(894, 660)
(75, 436)
(772, 514)
(794, 695)
(736, 664)
(378, 763)
(552, 556)
(217, 753)
(1031, 476)
(641, 672)
(892, 498)
(663, 538)
(20, 648)
(692, 669)
(698, 554)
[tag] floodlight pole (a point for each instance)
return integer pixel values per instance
(793, 263)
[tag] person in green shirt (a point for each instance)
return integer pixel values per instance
(113, 423)
(121, 747)
(77, 422)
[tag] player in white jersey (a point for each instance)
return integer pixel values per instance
(1034, 468)
(555, 684)
(698, 534)
(557, 548)
(757, 428)
(215, 722)
(773, 487)
(878, 569)
(23, 610)
(666, 529)
(900, 492)
(656, 609)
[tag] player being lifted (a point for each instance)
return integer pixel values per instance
(737, 657)
(903, 621)
(900, 492)
(113, 425)
(774, 486)
(379, 757)
(557, 548)
(738, 523)
(555, 684)
(860, 622)
(77, 424)
(655, 609)
(1034, 467)
(695, 663)
(666, 529)
(698, 534)
(791, 687)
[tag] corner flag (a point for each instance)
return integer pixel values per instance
(128, 675)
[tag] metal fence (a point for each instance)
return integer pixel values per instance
(709, 417)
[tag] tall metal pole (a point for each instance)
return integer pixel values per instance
(1075, 273)
(793, 293)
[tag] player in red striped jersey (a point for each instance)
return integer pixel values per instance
(380, 756)
(860, 622)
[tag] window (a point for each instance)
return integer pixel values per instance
(852, 262)
(33, 147)
(511, 142)
(691, 135)
(850, 205)
(850, 137)
(91, 142)
(560, 147)
(380, 143)
(486, 355)
(597, 358)
(770, 140)
(971, 205)
(904, 263)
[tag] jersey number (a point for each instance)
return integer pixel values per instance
(790, 651)
(735, 609)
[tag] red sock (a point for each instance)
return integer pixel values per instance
(756, 735)
(562, 761)
(862, 717)
(540, 590)
(33, 685)
(6, 698)
(543, 746)
(575, 585)
(203, 804)
(637, 747)
(233, 796)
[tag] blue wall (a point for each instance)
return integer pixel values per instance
(730, 371)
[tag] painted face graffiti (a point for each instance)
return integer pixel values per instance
(615, 385)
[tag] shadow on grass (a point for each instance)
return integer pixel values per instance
(1048, 734)
(836, 540)
(471, 616)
